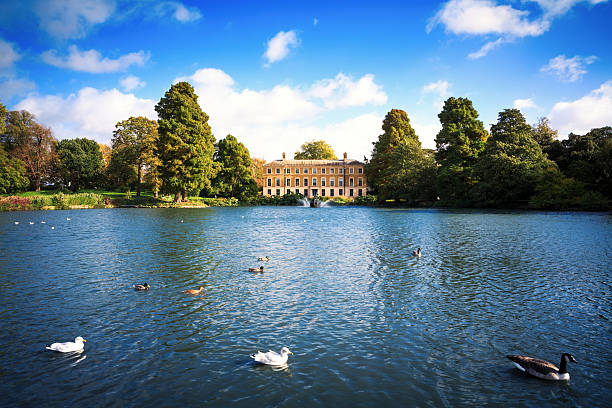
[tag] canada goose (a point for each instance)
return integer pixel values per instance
(193, 291)
(67, 347)
(272, 358)
(543, 369)
(417, 253)
(144, 286)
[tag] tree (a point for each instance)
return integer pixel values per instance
(512, 162)
(185, 145)
(459, 143)
(544, 134)
(396, 130)
(257, 171)
(411, 175)
(33, 144)
(12, 174)
(234, 177)
(3, 113)
(133, 144)
(80, 162)
(316, 150)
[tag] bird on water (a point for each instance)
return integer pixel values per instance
(543, 369)
(272, 358)
(194, 291)
(67, 347)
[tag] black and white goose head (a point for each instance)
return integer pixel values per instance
(543, 369)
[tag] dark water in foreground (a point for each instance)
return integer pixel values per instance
(369, 324)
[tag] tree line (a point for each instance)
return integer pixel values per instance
(515, 165)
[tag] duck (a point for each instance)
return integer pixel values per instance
(144, 286)
(543, 369)
(263, 258)
(417, 253)
(194, 291)
(260, 269)
(67, 347)
(272, 358)
(16, 222)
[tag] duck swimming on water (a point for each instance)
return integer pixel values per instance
(417, 253)
(263, 258)
(194, 291)
(543, 369)
(144, 286)
(260, 269)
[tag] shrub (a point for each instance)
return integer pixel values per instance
(366, 200)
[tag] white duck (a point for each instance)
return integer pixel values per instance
(272, 358)
(69, 346)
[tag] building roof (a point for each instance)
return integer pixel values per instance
(314, 162)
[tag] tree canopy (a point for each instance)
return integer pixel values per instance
(459, 144)
(133, 146)
(12, 174)
(396, 130)
(185, 145)
(315, 150)
(80, 162)
(234, 177)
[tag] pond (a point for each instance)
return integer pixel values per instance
(369, 324)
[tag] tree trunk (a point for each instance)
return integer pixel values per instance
(139, 177)
(177, 196)
(184, 196)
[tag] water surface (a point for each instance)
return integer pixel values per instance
(369, 324)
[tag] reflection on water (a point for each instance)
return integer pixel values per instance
(369, 323)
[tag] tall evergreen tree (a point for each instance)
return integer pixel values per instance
(185, 145)
(234, 177)
(396, 130)
(459, 143)
(511, 164)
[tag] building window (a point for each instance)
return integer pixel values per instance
(297, 182)
(278, 170)
(323, 192)
(322, 171)
(340, 171)
(351, 170)
(288, 171)
(350, 192)
(360, 170)
(305, 182)
(351, 182)
(277, 182)
(305, 192)
(331, 192)
(269, 191)
(340, 191)
(360, 192)
(314, 181)
(269, 182)
(277, 191)
(323, 181)
(331, 171)
(269, 170)
(305, 171)
(340, 182)
(315, 192)
(314, 170)
(360, 182)
(331, 181)
(297, 171)
(288, 182)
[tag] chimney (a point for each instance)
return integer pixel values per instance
(283, 155)
(345, 156)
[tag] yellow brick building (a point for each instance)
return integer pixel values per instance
(311, 178)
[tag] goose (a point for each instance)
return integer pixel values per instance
(194, 291)
(67, 347)
(145, 286)
(272, 358)
(543, 369)
(417, 253)
(264, 258)
(260, 269)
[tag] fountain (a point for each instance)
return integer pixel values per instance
(315, 203)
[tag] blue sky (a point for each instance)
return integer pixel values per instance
(277, 74)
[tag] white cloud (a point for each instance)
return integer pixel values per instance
(92, 61)
(279, 119)
(131, 82)
(484, 50)
(178, 11)
(553, 8)
(438, 89)
(315, 21)
(427, 133)
(524, 104)
(11, 87)
(342, 91)
(89, 113)
(8, 55)
(568, 69)
(479, 17)
(72, 18)
(278, 46)
(580, 116)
